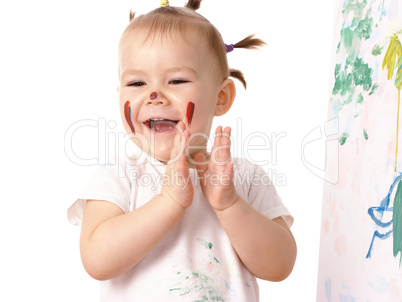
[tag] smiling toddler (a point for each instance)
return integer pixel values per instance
(204, 225)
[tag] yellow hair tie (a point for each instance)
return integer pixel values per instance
(165, 3)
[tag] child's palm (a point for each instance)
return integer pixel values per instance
(216, 177)
(177, 185)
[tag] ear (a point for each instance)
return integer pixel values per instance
(226, 96)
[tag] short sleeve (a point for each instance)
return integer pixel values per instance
(109, 183)
(262, 194)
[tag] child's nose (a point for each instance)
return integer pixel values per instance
(156, 98)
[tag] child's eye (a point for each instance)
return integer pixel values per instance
(136, 84)
(176, 82)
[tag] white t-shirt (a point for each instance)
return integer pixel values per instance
(196, 261)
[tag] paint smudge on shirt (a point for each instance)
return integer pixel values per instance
(196, 282)
(197, 286)
(206, 244)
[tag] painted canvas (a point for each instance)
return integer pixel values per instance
(361, 232)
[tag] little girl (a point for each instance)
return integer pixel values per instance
(172, 222)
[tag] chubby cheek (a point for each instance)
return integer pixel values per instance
(126, 112)
(199, 121)
(127, 116)
(190, 113)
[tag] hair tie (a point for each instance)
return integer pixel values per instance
(229, 47)
(165, 3)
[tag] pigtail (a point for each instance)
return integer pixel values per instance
(237, 74)
(250, 43)
(193, 4)
(132, 15)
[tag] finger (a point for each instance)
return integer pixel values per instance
(179, 143)
(223, 149)
(224, 152)
(218, 135)
(217, 141)
(226, 136)
(229, 169)
(201, 164)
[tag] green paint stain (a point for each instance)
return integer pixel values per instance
(353, 76)
(197, 284)
(216, 260)
(374, 88)
(355, 73)
(207, 245)
(377, 50)
(362, 74)
(365, 134)
(355, 7)
(397, 222)
(360, 99)
(343, 138)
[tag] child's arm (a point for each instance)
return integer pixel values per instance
(266, 247)
(113, 242)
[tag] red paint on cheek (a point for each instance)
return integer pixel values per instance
(190, 112)
(127, 115)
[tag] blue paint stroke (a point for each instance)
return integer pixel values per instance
(328, 289)
(377, 214)
(347, 297)
(228, 287)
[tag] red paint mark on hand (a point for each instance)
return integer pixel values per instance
(153, 95)
(190, 112)
(127, 115)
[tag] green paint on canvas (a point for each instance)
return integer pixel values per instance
(343, 138)
(354, 73)
(397, 222)
(377, 50)
(365, 134)
(360, 99)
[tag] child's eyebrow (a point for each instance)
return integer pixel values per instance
(183, 68)
(131, 72)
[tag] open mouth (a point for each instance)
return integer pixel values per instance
(160, 125)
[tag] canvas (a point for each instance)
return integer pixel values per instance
(360, 247)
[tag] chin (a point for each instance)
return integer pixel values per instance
(162, 154)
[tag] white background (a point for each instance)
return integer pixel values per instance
(58, 65)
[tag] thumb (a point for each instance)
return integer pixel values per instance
(179, 143)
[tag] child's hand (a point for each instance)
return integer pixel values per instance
(177, 185)
(216, 177)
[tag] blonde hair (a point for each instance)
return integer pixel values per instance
(167, 21)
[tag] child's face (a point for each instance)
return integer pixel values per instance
(179, 71)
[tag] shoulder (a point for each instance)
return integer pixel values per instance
(248, 169)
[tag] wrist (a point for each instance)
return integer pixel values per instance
(236, 206)
(171, 202)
